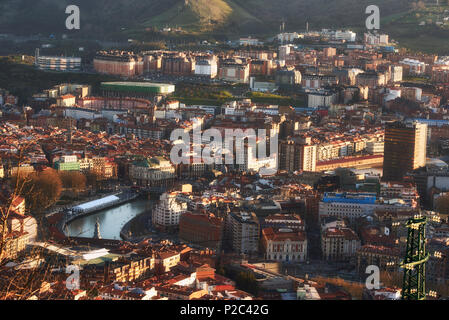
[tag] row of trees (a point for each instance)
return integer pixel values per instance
(244, 280)
(42, 189)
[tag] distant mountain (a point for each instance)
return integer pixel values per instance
(417, 24)
(247, 16)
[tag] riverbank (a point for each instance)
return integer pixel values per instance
(65, 216)
(137, 228)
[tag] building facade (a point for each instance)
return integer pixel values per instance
(242, 232)
(405, 149)
(284, 245)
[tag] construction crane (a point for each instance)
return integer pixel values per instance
(414, 264)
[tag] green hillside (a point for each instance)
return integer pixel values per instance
(109, 16)
(425, 28)
(203, 15)
(193, 13)
(102, 19)
(319, 13)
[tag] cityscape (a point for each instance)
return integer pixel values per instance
(306, 162)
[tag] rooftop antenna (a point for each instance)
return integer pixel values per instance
(36, 56)
(70, 131)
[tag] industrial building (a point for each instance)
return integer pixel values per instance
(136, 89)
(51, 63)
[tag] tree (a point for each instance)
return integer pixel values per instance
(92, 179)
(74, 180)
(41, 189)
(346, 176)
(247, 282)
(442, 204)
(421, 5)
(7, 199)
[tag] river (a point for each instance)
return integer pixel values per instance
(111, 220)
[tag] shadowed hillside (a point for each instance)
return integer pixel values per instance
(101, 19)
(110, 16)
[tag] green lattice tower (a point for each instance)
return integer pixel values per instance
(414, 264)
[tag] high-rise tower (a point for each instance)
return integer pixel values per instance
(405, 149)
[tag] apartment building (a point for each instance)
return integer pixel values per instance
(386, 258)
(339, 243)
(296, 156)
(234, 71)
(201, 228)
(242, 232)
(167, 211)
(405, 149)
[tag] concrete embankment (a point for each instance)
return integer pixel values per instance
(136, 228)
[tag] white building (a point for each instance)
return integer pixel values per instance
(284, 51)
(416, 67)
(309, 158)
(396, 73)
(81, 113)
(320, 98)
(376, 39)
(249, 42)
(355, 205)
(206, 67)
(287, 37)
(58, 63)
(375, 147)
(260, 86)
(168, 210)
(67, 100)
(347, 35)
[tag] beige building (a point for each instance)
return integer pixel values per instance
(154, 172)
(297, 156)
(134, 269)
(284, 245)
(339, 243)
(15, 243)
(387, 259)
(167, 260)
(101, 166)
